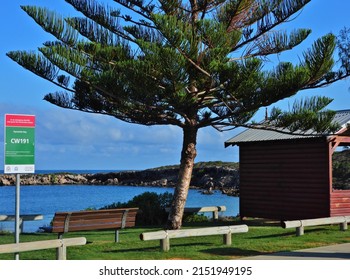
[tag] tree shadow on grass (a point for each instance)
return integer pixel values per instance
(287, 233)
(148, 249)
(231, 252)
(272, 235)
(257, 222)
(155, 248)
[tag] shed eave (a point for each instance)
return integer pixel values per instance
(257, 135)
(252, 135)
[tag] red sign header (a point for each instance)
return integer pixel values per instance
(20, 120)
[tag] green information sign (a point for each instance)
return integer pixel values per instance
(19, 143)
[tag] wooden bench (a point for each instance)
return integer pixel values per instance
(214, 209)
(22, 218)
(300, 224)
(94, 220)
(165, 235)
(60, 244)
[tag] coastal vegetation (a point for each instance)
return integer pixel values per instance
(152, 208)
(151, 205)
(341, 170)
(202, 164)
(214, 175)
(223, 176)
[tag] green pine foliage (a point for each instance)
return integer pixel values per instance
(191, 64)
(163, 62)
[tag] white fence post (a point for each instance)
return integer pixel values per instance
(300, 224)
(61, 244)
(227, 238)
(165, 236)
(300, 231)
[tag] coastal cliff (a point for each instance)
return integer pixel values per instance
(207, 176)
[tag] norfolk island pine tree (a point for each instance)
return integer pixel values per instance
(191, 64)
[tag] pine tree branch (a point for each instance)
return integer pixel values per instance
(282, 18)
(144, 12)
(325, 83)
(53, 24)
(200, 69)
(101, 15)
(38, 66)
(180, 66)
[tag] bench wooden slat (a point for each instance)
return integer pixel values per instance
(103, 219)
(92, 216)
(85, 225)
(97, 227)
(94, 220)
(95, 213)
(99, 211)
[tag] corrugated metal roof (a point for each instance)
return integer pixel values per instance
(256, 135)
(342, 117)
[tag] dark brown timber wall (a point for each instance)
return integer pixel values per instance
(285, 179)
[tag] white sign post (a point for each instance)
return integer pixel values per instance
(19, 154)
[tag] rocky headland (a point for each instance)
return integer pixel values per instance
(207, 176)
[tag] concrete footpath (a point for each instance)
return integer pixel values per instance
(332, 252)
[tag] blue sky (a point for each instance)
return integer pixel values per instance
(68, 139)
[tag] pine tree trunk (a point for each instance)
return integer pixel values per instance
(188, 155)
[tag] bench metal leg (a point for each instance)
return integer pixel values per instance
(116, 239)
(215, 215)
(21, 225)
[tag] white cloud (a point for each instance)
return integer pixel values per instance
(67, 139)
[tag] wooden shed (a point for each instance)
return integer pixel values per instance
(284, 176)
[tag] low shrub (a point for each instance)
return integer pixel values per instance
(152, 207)
(195, 218)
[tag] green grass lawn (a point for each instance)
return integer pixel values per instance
(262, 238)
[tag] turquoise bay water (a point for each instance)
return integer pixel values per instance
(47, 200)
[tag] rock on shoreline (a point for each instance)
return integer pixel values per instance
(207, 178)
